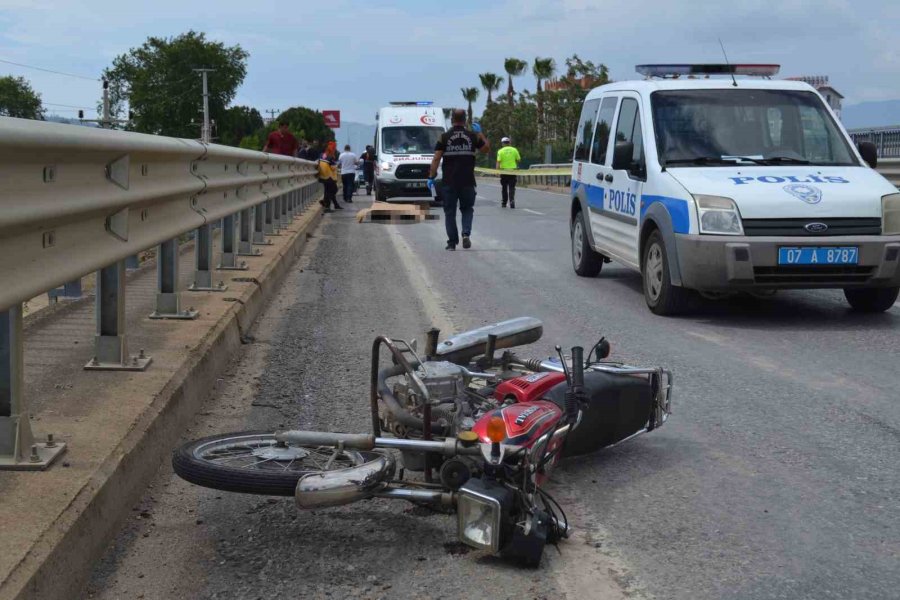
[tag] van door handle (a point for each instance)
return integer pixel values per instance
(608, 178)
(599, 176)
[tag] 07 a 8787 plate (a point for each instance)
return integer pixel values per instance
(818, 255)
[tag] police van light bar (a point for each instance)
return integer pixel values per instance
(679, 70)
(413, 103)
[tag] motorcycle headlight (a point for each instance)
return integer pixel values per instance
(479, 512)
(890, 214)
(387, 166)
(718, 215)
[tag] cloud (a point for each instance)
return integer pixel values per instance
(357, 55)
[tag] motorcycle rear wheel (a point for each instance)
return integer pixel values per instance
(253, 462)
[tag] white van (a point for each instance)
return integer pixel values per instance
(729, 184)
(405, 136)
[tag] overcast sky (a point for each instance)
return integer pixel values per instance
(356, 56)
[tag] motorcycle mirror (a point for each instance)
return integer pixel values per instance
(603, 349)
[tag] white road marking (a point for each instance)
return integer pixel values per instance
(534, 212)
(521, 188)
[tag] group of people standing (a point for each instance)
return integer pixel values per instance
(329, 162)
(456, 149)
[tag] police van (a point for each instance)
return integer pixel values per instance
(405, 136)
(724, 184)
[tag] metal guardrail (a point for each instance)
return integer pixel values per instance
(561, 177)
(75, 200)
(886, 140)
(890, 168)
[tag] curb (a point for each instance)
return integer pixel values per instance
(59, 565)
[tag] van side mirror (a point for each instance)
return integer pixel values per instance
(622, 154)
(869, 152)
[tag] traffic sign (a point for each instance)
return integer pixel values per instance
(332, 118)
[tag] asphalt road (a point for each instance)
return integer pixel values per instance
(776, 477)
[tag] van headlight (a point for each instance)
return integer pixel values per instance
(387, 166)
(718, 215)
(890, 214)
(479, 508)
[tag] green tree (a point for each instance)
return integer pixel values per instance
(304, 123)
(470, 95)
(542, 69)
(491, 83)
(237, 123)
(164, 92)
(18, 99)
(514, 67)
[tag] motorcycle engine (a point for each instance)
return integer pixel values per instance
(446, 384)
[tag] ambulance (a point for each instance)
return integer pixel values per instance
(719, 179)
(405, 136)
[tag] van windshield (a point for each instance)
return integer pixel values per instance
(410, 140)
(724, 127)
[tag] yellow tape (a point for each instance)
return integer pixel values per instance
(532, 172)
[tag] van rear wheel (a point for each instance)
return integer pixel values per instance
(871, 300)
(662, 297)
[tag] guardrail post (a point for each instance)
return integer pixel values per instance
(292, 198)
(110, 343)
(69, 291)
(270, 226)
(285, 216)
(259, 225)
(18, 449)
(245, 243)
(133, 262)
(203, 245)
(168, 298)
(228, 261)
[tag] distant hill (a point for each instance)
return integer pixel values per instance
(871, 114)
(358, 135)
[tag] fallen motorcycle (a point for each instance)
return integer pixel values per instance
(485, 431)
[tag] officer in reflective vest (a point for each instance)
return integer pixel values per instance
(508, 159)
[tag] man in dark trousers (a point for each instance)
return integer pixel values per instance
(369, 168)
(457, 148)
(281, 141)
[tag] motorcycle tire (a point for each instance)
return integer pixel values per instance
(269, 469)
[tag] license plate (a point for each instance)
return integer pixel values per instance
(414, 185)
(818, 255)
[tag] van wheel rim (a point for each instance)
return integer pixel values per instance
(577, 243)
(653, 272)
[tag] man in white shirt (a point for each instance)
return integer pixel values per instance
(348, 161)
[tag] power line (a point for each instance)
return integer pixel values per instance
(67, 106)
(9, 62)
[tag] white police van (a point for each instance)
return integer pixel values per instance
(729, 184)
(405, 137)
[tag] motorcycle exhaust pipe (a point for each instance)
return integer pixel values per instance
(323, 489)
(430, 496)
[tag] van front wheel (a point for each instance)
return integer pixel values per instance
(661, 296)
(585, 260)
(871, 300)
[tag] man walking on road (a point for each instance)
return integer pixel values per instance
(328, 177)
(281, 141)
(457, 148)
(368, 158)
(348, 162)
(508, 159)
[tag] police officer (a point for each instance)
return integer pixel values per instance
(369, 168)
(457, 148)
(508, 159)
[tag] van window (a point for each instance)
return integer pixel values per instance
(601, 133)
(629, 130)
(585, 129)
(410, 140)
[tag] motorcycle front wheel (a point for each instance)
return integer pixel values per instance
(255, 462)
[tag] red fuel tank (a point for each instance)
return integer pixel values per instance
(525, 422)
(528, 387)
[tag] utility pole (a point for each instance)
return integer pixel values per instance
(271, 112)
(205, 134)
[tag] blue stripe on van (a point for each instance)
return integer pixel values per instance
(677, 207)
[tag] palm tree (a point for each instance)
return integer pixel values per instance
(470, 95)
(514, 67)
(491, 83)
(543, 69)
